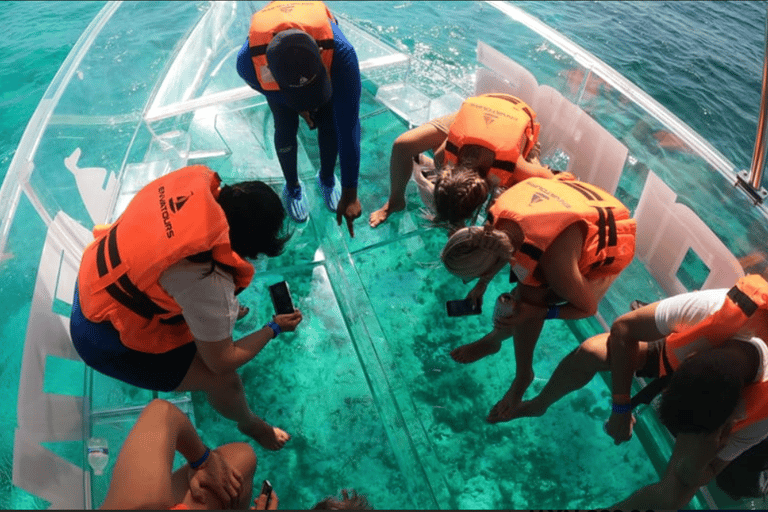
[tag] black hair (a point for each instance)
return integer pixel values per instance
(702, 393)
(353, 502)
(256, 218)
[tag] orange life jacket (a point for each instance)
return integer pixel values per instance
(171, 218)
(501, 123)
(312, 17)
(747, 300)
(543, 208)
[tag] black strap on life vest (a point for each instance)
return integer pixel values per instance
(127, 293)
(649, 392)
(585, 191)
(504, 165)
(742, 300)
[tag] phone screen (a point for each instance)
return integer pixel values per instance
(281, 298)
(461, 308)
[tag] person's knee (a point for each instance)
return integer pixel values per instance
(592, 353)
(621, 327)
(231, 382)
(242, 456)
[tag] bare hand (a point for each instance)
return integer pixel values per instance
(523, 312)
(217, 475)
(260, 503)
(288, 321)
(619, 427)
(348, 207)
(477, 292)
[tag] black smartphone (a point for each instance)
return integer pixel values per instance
(281, 298)
(462, 308)
(266, 488)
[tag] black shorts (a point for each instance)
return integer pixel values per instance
(98, 344)
(654, 362)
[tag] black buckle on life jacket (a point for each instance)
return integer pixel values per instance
(742, 300)
(531, 251)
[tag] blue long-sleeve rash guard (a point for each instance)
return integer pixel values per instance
(345, 81)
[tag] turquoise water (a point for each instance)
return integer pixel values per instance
(701, 60)
(507, 472)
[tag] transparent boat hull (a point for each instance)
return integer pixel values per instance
(365, 385)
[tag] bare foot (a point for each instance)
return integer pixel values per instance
(525, 409)
(504, 410)
(271, 438)
(471, 352)
(383, 213)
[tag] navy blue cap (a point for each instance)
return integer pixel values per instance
(294, 60)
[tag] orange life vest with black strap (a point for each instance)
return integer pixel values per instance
(746, 302)
(314, 18)
(543, 208)
(171, 218)
(501, 123)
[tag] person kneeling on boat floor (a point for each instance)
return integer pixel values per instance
(490, 143)
(566, 242)
(298, 58)
(716, 401)
(143, 476)
(155, 300)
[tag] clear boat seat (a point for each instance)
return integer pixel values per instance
(594, 155)
(46, 417)
(667, 230)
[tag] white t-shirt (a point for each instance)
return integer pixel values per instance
(680, 311)
(207, 299)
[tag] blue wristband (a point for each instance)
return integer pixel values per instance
(275, 328)
(621, 408)
(552, 312)
(201, 460)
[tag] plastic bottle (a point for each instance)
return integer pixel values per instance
(98, 454)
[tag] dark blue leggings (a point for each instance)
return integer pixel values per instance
(99, 346)
(286, 128)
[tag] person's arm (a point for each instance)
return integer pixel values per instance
(141, 477)
(624, 340)
(225, 355)
(693, 464)
(560, 267)
(347, 87)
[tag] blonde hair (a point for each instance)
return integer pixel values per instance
(473, 251)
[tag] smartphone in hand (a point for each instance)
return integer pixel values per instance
(462, 308)
(281, 298)
(266, 488)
